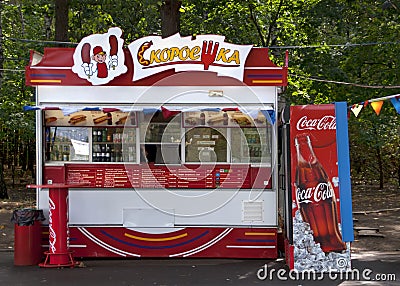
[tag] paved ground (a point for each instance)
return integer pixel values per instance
(194, 272)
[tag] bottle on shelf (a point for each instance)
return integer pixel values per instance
(65, 154)
(104, 135)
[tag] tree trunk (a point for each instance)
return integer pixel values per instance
(3, 187)
(61, 25)
(398, 176)
(32, 158)
(270, 38)
(170, 17)
(380, 166)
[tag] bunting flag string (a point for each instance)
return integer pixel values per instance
(376, 104)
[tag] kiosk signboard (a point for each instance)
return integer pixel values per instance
(316, 196)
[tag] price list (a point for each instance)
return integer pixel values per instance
(233, 178)
(143, 176)
(85, 176)
(114, 177)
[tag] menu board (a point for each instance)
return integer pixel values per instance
(222, 119)
(150, 176)
(89, 118)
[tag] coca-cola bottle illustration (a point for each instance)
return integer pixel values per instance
(316, 197)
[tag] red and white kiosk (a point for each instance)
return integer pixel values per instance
(173, 143)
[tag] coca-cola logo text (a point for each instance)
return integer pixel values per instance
(328, 122)
(314, 194)
(52, 233)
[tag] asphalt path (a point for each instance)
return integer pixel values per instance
(369, 268)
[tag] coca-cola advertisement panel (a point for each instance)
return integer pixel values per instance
(317, 232)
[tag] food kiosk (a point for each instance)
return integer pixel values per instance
(171, 142)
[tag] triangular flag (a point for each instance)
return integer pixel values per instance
(356, 108)
(30, 108)
(396, 103)
(148, 111)
(377, 106)
(91, 109)
(110, 109)
(230, 109)
(51, 108)
(69, 110)
(269, 115)
(168, 113)
(253, 113)
(213, 109)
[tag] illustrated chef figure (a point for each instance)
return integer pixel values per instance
(101, 66)
(100, 58)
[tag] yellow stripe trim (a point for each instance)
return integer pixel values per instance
(46, 80)
(156, 239)
(259, 233)
(266, 81)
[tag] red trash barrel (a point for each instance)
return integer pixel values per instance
(27, 236)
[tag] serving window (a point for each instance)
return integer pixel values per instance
(157, 137)
(160, 138)
(90, 136)
(227, 136)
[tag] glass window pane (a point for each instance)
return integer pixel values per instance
(114, 144)
(66, 144)
(206, 144)
(160, 138)
(251, 145)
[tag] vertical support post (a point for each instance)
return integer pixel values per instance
(346, 210)
(58, 226)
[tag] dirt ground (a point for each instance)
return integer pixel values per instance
(378, 210)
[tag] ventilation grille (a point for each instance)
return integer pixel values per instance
(252, 211)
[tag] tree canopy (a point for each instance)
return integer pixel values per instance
(340, 50)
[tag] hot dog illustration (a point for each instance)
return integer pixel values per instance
(122, 120)
(241, 120)
(77, 118)
(142, 49)
(100, 57)
(103, 118)
(113, 51)
(85, 55)
(50, 119)
(224, 119)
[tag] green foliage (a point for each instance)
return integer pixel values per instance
(329, 40)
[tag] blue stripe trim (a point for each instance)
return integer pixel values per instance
(48, 75)
(265, 76)
(154, 247)
(342, 139)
